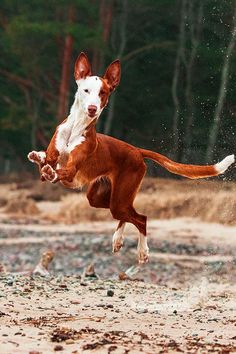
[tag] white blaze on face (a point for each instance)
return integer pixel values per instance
(88, 93)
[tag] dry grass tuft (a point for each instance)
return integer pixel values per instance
(21, 206)
(40, 191)
(210, 207)
(213, 201)
(75, 208)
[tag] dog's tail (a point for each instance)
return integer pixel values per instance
(189, 171)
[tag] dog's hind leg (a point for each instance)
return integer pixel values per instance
(99, 195)
(124, 189)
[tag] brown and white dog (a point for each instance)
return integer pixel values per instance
(112, 169)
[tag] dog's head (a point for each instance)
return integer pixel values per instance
(93, 91)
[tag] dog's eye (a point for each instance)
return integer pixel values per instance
(102, 93)
(86, 90)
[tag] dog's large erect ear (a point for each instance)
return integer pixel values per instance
(112, 74)
(82, 67)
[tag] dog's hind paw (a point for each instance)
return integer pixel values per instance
(117, 245)
(143, 256)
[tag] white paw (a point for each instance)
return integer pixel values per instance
(48, 173)
(143, 255)
(117, 245)
(143, 250)
(38, 157)
(118, 239)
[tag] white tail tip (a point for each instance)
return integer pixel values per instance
(222, 166)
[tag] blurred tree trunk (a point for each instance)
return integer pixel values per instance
(105, 19)
(29, 89)
(222, 93)
(121, 28)
(195, 22)
(34, 126)
(183, 118)
(106, 15)
(66, 66)
(180, 55)
(41, 138)
(96, 61)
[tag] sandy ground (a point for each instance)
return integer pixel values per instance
(184, 300)
(60, 314)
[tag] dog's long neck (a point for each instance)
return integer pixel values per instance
(74, 130)
(77, 119)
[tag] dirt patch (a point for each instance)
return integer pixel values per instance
(183, 300)
(138, 318)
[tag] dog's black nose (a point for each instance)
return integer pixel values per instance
(92, 110)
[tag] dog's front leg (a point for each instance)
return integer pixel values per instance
(76, 158)
(48, 157)
(52, 154)
(63, 174)
(66, 173)
(38, 157)
(43, 158)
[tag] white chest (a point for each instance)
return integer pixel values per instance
(69, 135)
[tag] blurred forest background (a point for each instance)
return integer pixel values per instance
(177, 93)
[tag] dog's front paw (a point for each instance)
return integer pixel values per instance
(38, 157)
(49, 174)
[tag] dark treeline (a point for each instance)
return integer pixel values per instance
(177, 93)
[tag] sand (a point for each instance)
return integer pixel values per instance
(183, 300)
